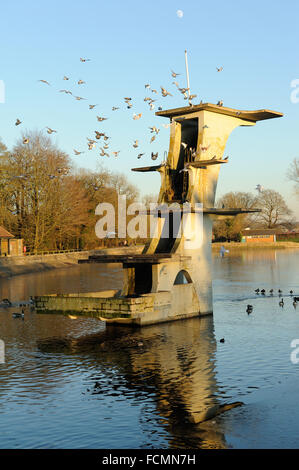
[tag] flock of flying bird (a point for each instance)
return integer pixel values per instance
(92, 142)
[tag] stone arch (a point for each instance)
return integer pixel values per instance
(183, 277)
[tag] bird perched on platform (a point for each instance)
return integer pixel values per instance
(184, 145)
(220, 103)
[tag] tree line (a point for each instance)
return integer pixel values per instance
(48, 202)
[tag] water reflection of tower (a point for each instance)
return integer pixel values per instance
(179, 359)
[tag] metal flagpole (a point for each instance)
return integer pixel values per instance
(187, 72)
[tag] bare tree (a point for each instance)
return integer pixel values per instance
(274, 210)
(231, 227)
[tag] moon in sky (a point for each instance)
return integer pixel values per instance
(180, 14)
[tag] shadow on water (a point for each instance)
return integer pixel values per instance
(172, 363)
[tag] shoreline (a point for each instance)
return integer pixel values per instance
(254, 246)
(19, 265)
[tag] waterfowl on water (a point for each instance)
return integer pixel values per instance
(263, 291)
(222, 340)
(257, 291)
(249, 309)
(271, 291)
(6, 302)
(281, 303)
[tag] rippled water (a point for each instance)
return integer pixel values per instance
(75, 384)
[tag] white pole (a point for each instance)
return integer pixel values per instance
(187, 72)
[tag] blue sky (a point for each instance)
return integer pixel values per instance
(133, 43)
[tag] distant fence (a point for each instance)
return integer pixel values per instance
(288, 237)
(41, 253)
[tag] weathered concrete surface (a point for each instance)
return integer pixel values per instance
(179, 303)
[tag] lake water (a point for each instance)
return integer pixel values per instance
(73, 383)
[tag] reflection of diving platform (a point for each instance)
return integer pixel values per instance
(172, 278)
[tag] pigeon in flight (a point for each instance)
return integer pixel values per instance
(84, 60)
(135, 145)
(174, 75)
(76, 152)
(78, 98)
(116, 153)
(50, 131)
(219, 69)
(259, 188)
(25, 141)
(137, 116)
(65, 78)
(154, 156)
(100, 119)
(67, 92)
(44, 81)
(165, 92)
(140, 155)
(114, 108)
(81, 82)
(91, 106)
(18, 122)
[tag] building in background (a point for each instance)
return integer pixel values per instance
(9, 244)
(259, 236)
